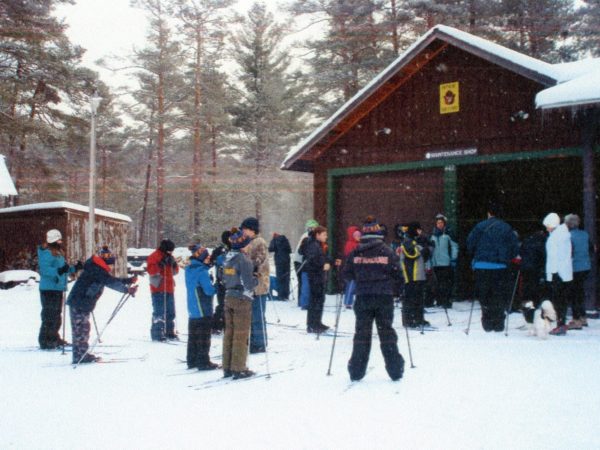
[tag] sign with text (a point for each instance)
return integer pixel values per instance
(449, 98)
(459, 152)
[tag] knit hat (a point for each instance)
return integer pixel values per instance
(166, 246)
(238, 240)
(310, 224)
(53, 236)
(225, 238)
(202, 251)
(412, 229)
(106, 255)
(572, 220)
(371, 228)
(440, 216)
(250, 223)
(551, 220)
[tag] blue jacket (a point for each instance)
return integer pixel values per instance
(445, 250)
(200, 290)
(493, 241)
(89, 286)
(50, 279)
(581, 250)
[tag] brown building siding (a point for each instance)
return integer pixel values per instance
(21, 232)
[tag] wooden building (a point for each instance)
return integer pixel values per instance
(24, 227)
(450, 125)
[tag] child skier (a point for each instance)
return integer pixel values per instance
(83, 297)
(200, 292)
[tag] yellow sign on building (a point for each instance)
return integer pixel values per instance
(449, 98)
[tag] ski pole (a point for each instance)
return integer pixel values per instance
(95, 325)
(412, 366)
(264, 327)
(337, 322)
(470, 316)
(64, 319)
(512, 298)
(120, 304)
(274, 308)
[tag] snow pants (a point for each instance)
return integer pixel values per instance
(412, 304)
(444, 277)
(493, 289)
(80, 326)
(578, 294)
(314, 315)
(160, 302)
(378, 308)
(282, 273)
(52, 304)
(198, 346)
(560, 291)
(258, 329)
(238, 315)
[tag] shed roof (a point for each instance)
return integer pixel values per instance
(580, 86)
(65, 205)
(542, 72)
(7, 186)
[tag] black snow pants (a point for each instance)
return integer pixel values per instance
(198, 346)
(378, 308)
(52, 304)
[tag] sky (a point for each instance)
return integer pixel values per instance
(113, 28)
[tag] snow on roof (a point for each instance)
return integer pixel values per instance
(65, 205)
(7, 186)
(579, 86)
(458, 37)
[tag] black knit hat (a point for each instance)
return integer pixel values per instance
(238, 240)
(166, 246)
(225, 238)
(250, 223)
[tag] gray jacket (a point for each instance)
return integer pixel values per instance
(238, 276)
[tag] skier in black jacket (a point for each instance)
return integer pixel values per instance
(316, 266)
(83, 297)
(282, 249)
(375, 267)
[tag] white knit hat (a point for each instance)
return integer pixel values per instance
(53, 236)
(551, 220)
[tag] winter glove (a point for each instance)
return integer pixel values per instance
(64, 269)
(131, 290)
(132, 280)
(78, 266)
(168, 261)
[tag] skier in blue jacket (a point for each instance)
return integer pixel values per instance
(200, 292)
(53, 283)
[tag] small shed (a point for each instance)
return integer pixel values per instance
(24, 227)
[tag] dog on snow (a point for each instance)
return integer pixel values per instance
(539, 320)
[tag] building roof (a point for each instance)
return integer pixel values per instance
(542, 72)
(7, 186)
(65, 205)
(579, 87)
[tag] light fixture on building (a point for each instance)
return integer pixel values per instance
(385, 131)
(519, 115)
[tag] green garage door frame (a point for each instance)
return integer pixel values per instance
(450, 176)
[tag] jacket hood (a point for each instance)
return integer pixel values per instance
(368, 244)
(350, 231)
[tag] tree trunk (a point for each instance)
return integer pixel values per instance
(394, 20)
(146, 193)
(197, 158)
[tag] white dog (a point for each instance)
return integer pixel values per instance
(539, 320)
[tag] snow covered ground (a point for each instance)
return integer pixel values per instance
(484, 391)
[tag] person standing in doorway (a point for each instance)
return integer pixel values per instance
(280, 246)
(493, 244)
(582, 249)
(443, 261)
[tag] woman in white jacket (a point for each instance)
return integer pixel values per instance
(559, 268)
